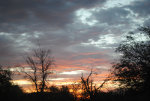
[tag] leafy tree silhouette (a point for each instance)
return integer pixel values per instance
(75, 87)
(55, 94)
(54, 89)
(133, 68)
(8, 91)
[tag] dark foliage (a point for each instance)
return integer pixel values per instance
(55, 94)
(133, 68)
(8, 91)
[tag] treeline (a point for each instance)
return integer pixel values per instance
(131, 72)
(10, 92)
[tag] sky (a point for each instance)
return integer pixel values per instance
(82, 34)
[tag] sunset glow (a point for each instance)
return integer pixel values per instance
(82, 36)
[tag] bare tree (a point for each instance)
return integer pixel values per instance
(87, 85)
(90, 89)
(40, 64)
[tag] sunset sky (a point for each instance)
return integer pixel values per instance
(80, 33)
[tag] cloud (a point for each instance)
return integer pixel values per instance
(79, 32)
(37, 13)
(147, 22)
(61, 25)
(73, 72)
(25, 22)
(7, 47)
(112, 16)
(141, 7)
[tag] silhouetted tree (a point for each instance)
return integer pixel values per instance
(40, 63)
(54, 89)
(65, 94)
(75, 87)
(60, 93)
(133, 68)
(89, 88)
(5, 76)
(8, 91)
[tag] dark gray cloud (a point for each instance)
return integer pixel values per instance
(113, 16)
(147, 22)
(24, 22)
(5, 43)
(55, 25)
(141, 7)
(7, 49)
(32, 14)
